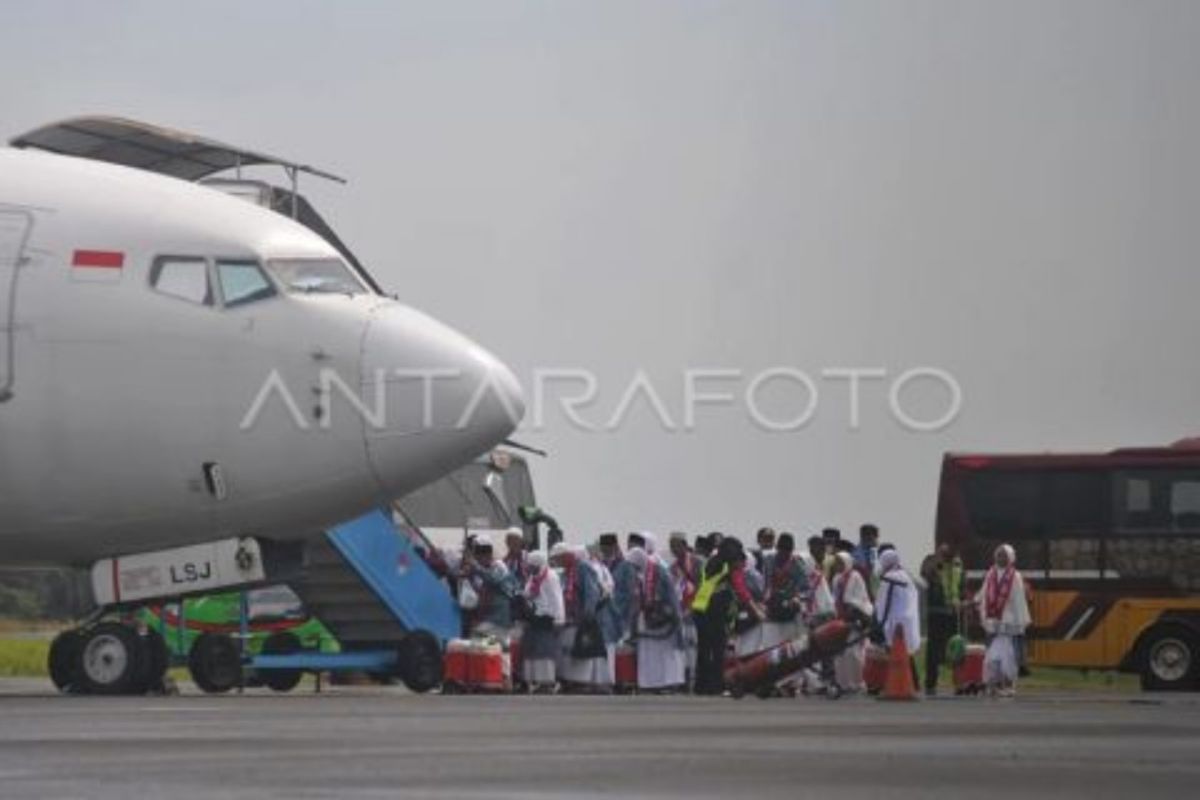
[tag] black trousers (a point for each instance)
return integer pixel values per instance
(941, 628)
(712, 636)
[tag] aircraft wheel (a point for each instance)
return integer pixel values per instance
(157, 660)
(63, 660)
(1170, 659)
(111, 659)
(419, 661)
(215, 663)
(280, 644)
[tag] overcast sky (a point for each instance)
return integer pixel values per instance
(1005, 191)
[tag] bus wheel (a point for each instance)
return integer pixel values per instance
(280, 644)
(63, 660)
(1169, 659)
(215, 663)
(419, 661)
(111, 659)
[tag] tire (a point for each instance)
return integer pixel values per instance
(215, 663)
(1170, 659)
(112, 659)
(419, 661)
(63, 661)
(280, 644)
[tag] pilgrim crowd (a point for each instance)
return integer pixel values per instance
(687, 608)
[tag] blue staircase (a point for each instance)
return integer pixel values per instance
(365, 581)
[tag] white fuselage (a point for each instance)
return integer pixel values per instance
(120, 394)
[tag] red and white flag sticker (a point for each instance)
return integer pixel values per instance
(97, 265)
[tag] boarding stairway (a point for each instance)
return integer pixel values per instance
(368, 585)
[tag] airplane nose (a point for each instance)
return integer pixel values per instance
(444, 399)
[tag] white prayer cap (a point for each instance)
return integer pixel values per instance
(579, 551)
(638, 557)
(847, 560)
(560, 549)
(536, 559)
(1008, 550)
(514, 531)
(483, 540)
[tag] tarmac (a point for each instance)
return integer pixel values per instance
(381, 742)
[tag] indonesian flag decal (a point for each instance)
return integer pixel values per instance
(97, 265)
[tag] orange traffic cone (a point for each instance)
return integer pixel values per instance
(899, 683)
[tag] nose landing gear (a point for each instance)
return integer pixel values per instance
(108, 658)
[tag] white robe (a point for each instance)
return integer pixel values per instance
(661, 663)
(898, 598)
(848, 666)
(548, 601)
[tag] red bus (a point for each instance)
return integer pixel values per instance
(1110, 545)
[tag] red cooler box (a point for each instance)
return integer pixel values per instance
(968, 673)
(455, 668)
(488, 668)
(626, 667)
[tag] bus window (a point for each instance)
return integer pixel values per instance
(1185, 504)
(1162, 500)
(1004, 505)
(1078, 501)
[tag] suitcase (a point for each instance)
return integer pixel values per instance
(875, 668)
(968, 673)
(626, 678)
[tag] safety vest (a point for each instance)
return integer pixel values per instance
(951, 577)
(708, 586)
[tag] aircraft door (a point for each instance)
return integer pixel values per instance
(15, 226)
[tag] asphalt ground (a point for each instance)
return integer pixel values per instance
(382, 742)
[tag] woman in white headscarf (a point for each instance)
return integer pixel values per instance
(898, 605)
(584, 599)
(1004, 610)
(651, 543)
(662, 660)
(851, 602)
(540, 644)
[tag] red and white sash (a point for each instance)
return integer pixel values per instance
(996, 591)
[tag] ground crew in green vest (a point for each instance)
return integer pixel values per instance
(714, 607)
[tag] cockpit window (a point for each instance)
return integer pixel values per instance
(329, 275)
(243, 282)
(182, 278)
